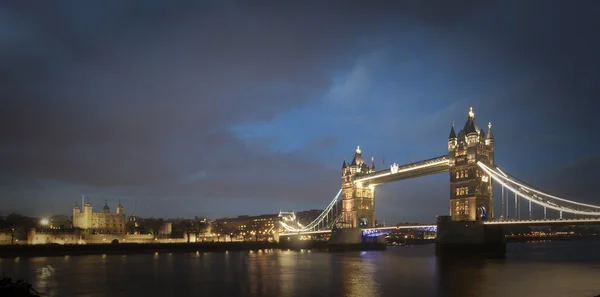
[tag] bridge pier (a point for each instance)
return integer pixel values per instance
(352, 239)
(462, 238)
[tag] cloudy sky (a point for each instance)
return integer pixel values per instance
(183, 108)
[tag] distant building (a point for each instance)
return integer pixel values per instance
(165, 229)
(103, 222)
(60, 222)
(252, 227)
(307, 216)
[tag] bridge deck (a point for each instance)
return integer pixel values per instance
(401, 172)
(585, 221)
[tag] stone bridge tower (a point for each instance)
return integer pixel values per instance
(358, 201)
(471, 192)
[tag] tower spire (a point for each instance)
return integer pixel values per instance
(489, 134)
(452, 133)
(471, 113)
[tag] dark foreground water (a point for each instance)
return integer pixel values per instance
(548, 269)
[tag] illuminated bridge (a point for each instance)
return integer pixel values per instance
(473, 173)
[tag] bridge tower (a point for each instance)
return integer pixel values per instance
(358, 200)
(471, 191)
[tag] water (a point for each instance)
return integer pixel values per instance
(547, 269)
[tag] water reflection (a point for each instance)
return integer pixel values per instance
(411, 271)
(358, 276)
(461, 276)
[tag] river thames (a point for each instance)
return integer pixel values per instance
(546, 269)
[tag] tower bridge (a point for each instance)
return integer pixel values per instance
(472, 170)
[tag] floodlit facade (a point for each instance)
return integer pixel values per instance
(358, 203)
(103, 222)
(471, 190)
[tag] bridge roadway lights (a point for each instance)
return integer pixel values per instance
(461, 238)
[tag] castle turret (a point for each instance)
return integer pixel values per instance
(120, 209)
(471, 130)
(86, 221)
(76, 214)
(372, 169)
(452, 139)
(106, 209)
(489, 140)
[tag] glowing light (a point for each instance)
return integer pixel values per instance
(505, 177)
(471, 113)
(395, 169)
(44, 222)
(541, 222)
(358, 149)
(525, 196)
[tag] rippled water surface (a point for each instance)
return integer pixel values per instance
(567, 269)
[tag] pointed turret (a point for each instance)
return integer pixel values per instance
(372, 164)
(364, 168)
(452, 133)
(358, 159)
(120, 209)
(76, 205)
(489, 140)
(106, 208)
(462, 136)
(490, 135)
(344, 165)
(470, 126)
(452, 141)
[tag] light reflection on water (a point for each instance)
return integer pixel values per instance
(544, 269)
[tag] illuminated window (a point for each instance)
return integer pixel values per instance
(467, 190)
(457, 191)
(457, 175)
(466, 173)
(462, 174)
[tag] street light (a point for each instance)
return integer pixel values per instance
(44, 222)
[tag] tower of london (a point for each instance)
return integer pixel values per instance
(103, 222)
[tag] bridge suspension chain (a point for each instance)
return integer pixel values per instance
(322, 221)
(538, 197)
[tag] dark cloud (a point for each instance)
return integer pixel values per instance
(138, 97)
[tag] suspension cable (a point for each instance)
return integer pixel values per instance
(512, 180)
(495, 176)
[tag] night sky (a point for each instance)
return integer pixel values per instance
(227, 108)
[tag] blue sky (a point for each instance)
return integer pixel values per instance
(227, 108)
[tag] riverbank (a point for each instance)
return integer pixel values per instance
(128, 248)
(46, 250)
